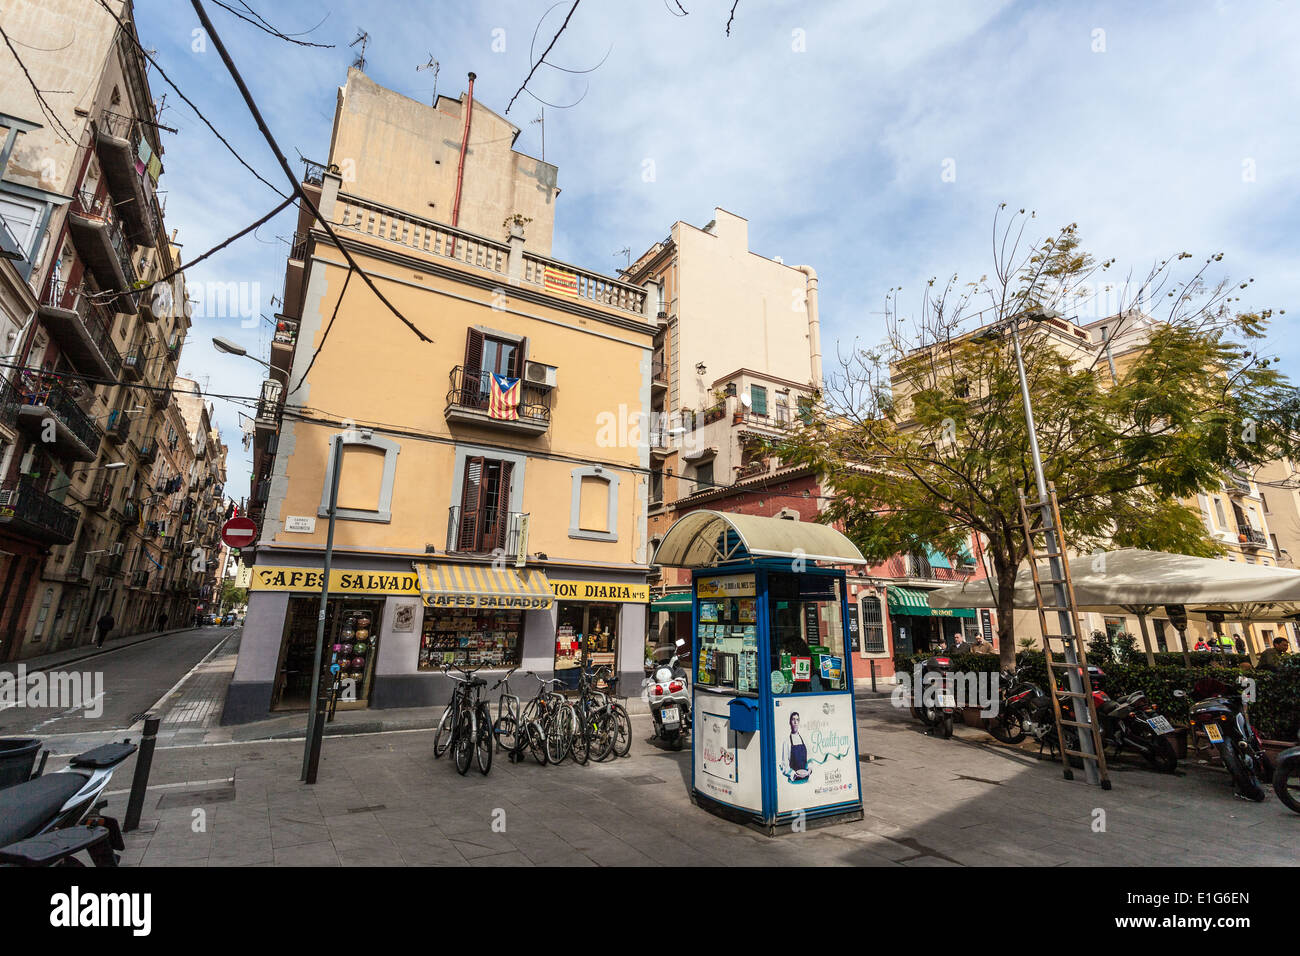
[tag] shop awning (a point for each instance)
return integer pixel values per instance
(703, 539)
(914, 602)
(674, 603)
(480, 585)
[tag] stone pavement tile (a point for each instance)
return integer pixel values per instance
(614, 852)
(442, 853)
(372, 854)
(307, 854)
(171, 853)
(288, 834)
(480, 841)
(514, 858)
(245, 855)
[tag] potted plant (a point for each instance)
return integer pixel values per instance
(514, 224)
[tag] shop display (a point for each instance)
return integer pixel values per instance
(728, 655)
(471, 638)
(345, 657)
(586, 634)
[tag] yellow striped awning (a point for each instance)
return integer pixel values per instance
(480, 585)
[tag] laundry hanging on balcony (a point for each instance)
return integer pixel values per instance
(560, 282)
(503, 402)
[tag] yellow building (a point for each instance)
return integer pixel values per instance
(469, 531)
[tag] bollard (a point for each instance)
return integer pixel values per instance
(313, 753)
(143, 763)
(873, 675)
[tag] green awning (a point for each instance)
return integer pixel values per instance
(913, 602)
(937, 559)
(675, 603)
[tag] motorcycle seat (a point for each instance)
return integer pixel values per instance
(1117, 709)
(26, 807)
(109, 755)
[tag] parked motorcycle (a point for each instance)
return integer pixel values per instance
(934, 701)
(1133, 722)
(1286, 778)
(1025, 710)
(1222, 715)
(47, 819)
(667, 691)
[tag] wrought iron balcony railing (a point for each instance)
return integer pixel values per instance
(483, 531)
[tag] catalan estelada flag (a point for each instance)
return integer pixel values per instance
(503, 401)
(560, 282)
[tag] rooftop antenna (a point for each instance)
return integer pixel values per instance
(541, 120)
(431, 65)
(626, 251)
(363, 38)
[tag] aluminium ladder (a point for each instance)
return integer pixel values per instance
(1060, 598)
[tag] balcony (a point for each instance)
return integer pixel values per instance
(468, 402)
(28, 512)
(101, 494)
(117, 138)
(52, 416)
(269, 405)
(486, 531)
(138, 579)
(772, 425)
(658, 374)
(284, 342)
(917, 567)
(82, 329)
(130, 513)
(134, 362)
(1252, 537)
(119, 426)
(714, 413)
(161, 396)
(148, 452)
(1236, 485)
(103, 248)
(108, 563)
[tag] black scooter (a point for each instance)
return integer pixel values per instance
(1286, 778)
(934, 701)
(1221, 714)
(1025, 710)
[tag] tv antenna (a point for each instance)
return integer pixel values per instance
(435, 66)
(363, 38)
(626, 251)
(541, 121)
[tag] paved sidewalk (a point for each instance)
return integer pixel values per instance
(74, 655)
(383, 800)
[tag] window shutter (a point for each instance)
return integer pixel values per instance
(503, 504)
(469, 504)
(758, 397)
(520, 356)
(471, 379)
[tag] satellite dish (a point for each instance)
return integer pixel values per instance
(746, 400)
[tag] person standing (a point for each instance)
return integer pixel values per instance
(162, 621)
(103, 626)
(1271, 659)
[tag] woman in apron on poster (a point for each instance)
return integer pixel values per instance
(794, 753)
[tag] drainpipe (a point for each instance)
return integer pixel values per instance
(464, 148)
(814, 325)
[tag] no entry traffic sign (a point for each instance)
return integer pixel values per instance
(238, 532)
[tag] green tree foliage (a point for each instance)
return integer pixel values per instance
(924, 440)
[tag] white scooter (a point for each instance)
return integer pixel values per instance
(667, 691)
(48, 818)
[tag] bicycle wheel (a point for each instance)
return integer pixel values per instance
(558, 729)
(446, 729)
(622, 730)
(581, 749)
(600, 724)
(485, 740)
(536, 738)
(506, 728)
(463, 741)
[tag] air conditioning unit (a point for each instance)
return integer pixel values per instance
(88, 567)
(539, 375)
(7, 496)
(118, 549)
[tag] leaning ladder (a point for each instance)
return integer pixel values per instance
(1057, 577)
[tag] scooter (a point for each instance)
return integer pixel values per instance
(1286, 778)
(667, 691)
(1223, 717)
(934, 702)
(46, 820)
(1134, 722)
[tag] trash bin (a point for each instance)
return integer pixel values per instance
(17, 759)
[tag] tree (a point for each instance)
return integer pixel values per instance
(924, 438)
(231, 595)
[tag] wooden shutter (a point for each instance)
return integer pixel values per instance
(469, 505)
(520, 356)
(503, 504)
(758, 399)
(470, 380)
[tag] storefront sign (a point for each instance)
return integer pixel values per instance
(504, 602)
(600, 591)
(404, 617)
(735, 585)
(341, 581)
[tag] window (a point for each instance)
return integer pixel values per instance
(470, 638)
(873, 626)
(585, 635)
(21, 220)
(487, 355)
(593, 504)
(704, 476)
(961, 387)
(366, 482)
(1218, 511)
(758, 399)
(484, 515)
(807, 633)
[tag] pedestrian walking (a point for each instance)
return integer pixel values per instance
(162, 621)
(103, 626)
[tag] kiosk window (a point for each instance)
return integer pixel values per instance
(728, 644)
(807, 634)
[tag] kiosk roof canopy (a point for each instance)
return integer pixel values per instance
(1131, 577)
(703, 539)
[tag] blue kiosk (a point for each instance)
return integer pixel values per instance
(775, 738)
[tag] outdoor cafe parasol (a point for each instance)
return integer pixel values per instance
(775, 734)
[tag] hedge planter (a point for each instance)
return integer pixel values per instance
(972, 717)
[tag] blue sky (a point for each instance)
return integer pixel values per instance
(828, 125)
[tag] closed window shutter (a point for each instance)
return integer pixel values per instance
(503, 504)
(517, 360)
(469, 504)
(472, 379)
(758, 396)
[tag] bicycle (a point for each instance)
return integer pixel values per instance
(595, 716)
(447, 725)
(517, 730)
(622, 723)
(471, 736)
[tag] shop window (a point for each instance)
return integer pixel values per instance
(807, 634)
(351, 642)
(873, 626)
(359, 485)
(586, 635)
(593, 505)
(471, 637)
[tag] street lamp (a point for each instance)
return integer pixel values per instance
(230, 348)
(1053, 543)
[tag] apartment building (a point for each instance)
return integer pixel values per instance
(88, 379)
(492, 493)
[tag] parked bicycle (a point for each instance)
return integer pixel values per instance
(470, 737)
(622, 722)
(558, 718)
(596, 719)
(518, 729)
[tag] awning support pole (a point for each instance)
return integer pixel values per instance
(1146, 639)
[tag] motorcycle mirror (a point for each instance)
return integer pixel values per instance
(680, 643)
